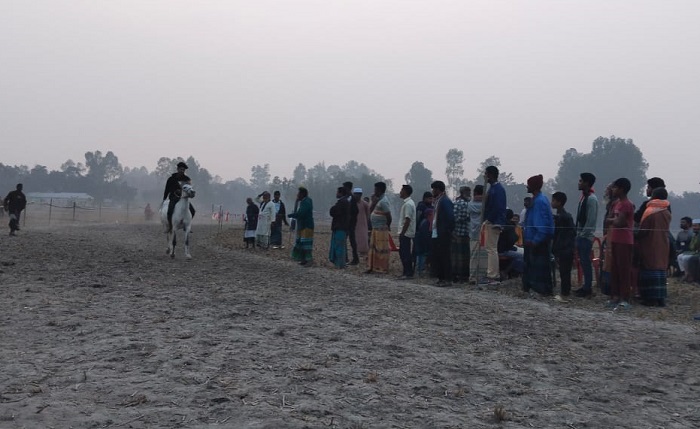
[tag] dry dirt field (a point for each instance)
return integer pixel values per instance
(100, 329)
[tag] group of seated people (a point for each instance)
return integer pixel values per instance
(687, 248)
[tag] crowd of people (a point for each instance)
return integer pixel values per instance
(443, 239)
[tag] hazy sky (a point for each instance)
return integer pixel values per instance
(384, 82)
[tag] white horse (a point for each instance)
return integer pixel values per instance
(182, 219)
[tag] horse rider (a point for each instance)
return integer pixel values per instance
(173, 190)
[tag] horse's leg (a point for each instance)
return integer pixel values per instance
(188, 227)
(173, 243)
(168, 240)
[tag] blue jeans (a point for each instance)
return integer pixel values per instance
(584, 247)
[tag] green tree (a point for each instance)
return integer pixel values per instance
(299, 175)
(609, 159)
(167, 166)
(103, 168)
(73, 169)
(260, 176)
(504, 177)
(419, 177)
(455, 169)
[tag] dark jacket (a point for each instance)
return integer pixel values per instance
(564, 234)
(496, 205)
(304, 214)
(172, 186)
(445, 214)
(421, 207)
(507, 238)
(251, 217)
(15, 201)
(340, 213)
(281, 216)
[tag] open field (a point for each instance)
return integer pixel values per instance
(100, 329)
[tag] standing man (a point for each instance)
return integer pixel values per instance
(14, 203)
(441, 243)
(407, 231)
(494, 217)
(380, 218)
(340, 215)
(173, 189)
(586, 219)
(460, 238)
(265, 219)
(352, 222)
(251, 222)
(539, 230)
(527, 203)
(653, 183)
(280, 218)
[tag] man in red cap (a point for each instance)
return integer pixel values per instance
(539, 230)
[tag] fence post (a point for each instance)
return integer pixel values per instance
(50, 206)
(221, 216)
(99, 216)
(73, 211)
(127, 212)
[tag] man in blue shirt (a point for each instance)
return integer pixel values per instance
(539, 230)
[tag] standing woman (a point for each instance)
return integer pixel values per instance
(251, 223)
(652, 242)
(304, 215)
(362, 225)
(380, 218)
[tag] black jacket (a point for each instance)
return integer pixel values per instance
(172, 186)
(564, 234)
(507, 238)
(15, 201)
(340, 213)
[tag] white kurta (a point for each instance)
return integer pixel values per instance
(265, 218)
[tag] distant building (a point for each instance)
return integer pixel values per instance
(65, 199)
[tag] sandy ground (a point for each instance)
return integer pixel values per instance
(99, 328)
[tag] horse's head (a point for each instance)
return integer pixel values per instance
(187, 191)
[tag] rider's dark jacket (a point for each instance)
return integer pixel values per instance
(172, 186)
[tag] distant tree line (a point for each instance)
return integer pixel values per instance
(105, 179)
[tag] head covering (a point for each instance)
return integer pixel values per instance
(357, 191)
(535, 182)
(182, 165)
(696, 221)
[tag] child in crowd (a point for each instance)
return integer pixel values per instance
(564, 241)
(421, 245)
